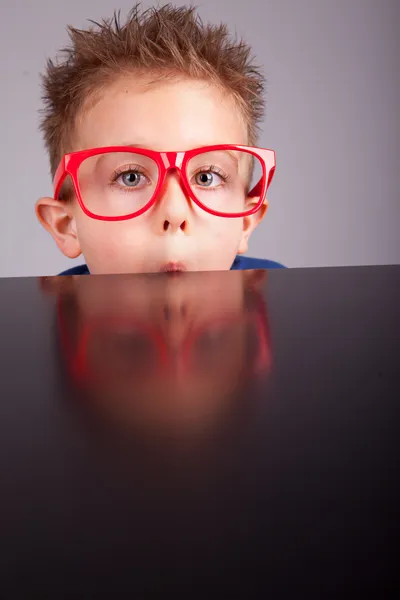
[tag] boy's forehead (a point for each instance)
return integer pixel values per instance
(166, 116)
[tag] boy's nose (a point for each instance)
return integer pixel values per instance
(174, 205)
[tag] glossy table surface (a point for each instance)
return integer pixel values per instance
(200, 435)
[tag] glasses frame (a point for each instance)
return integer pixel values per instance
(166, 161)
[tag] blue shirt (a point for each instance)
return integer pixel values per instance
(241, 263)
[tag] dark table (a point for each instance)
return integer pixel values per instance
(200, 435)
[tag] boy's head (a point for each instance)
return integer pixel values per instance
(163, 82)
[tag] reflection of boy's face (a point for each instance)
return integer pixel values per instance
(162, 349)
(168, 116)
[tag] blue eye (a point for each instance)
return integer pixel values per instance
(208, 179)
(131, 178)
(204, 179)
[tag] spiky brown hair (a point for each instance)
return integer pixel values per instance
(159, 42)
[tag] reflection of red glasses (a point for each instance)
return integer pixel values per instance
(116, 183)
(151, 354)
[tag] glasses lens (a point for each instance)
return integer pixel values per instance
(222, 179)
(116, 184)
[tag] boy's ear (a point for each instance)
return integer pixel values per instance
(58, 219)
(251, 222)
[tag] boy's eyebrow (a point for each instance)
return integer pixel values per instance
(233, 153)
(135, 146)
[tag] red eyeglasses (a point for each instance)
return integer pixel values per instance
(116, 183)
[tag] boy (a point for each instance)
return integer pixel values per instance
(144, 108)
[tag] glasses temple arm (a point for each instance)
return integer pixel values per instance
(257, 189)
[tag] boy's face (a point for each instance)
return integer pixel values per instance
(167, 116)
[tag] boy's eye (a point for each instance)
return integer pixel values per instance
(131, 178)
(208, 178)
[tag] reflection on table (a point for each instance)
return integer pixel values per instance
(162, 352)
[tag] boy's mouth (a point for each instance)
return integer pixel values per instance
(173, 267)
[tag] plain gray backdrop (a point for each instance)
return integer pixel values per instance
(332, 117)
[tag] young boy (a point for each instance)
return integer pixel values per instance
(151, 129)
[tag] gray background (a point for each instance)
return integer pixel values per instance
(332, 117)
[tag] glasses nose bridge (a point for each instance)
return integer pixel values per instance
(172, 160)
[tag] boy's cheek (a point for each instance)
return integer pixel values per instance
(133, 245)
(107, 245)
